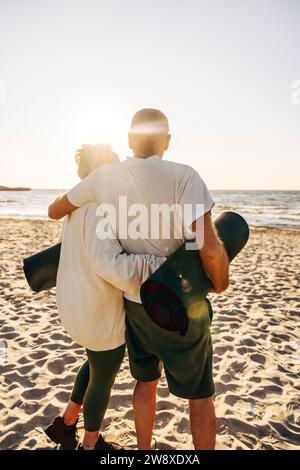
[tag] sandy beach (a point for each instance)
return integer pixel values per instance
(256, 352)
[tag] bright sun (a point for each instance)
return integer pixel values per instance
(99, 125)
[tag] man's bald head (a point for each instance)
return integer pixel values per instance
(149, 133)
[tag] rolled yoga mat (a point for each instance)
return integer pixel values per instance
(173, 293)
(41, 269)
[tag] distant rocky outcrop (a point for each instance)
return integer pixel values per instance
(18, 188)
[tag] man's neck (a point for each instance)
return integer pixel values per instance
(144, 156)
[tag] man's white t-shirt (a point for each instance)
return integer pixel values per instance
(148, 182)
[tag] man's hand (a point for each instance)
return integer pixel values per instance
(60, 207)
(213, 254)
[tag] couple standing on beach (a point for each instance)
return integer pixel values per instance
(101, 268)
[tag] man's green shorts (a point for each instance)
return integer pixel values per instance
(187, 360)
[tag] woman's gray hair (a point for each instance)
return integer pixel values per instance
(89, 157)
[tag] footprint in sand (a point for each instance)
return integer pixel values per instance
(56, 367)
(231, 399)
(35, 393)
(62, 396)
(254, 379)
(129, 415)
(9, 336)
(283, 430)
(8, 440)
(259, 392)
(30, 407)
(259, 358)
(7, 329)
(184, 425)
(67, 380)
(163, 392)
(249, 342)
(117, 400)
(40, 354)
(163, 418)
(164, 405)
(225, 378)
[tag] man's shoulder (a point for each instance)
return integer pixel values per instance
(180, 170)
(178, 166)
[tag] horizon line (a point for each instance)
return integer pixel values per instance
(11, 188)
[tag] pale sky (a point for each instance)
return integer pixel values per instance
(75, 71)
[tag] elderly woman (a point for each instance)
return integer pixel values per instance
(92, 310)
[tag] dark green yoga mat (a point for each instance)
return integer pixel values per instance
(40, 269)
(180, 284)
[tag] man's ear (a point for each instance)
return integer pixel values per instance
(168, 138)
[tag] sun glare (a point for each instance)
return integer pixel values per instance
(100, 126)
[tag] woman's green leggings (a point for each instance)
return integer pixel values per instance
(93, 384)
